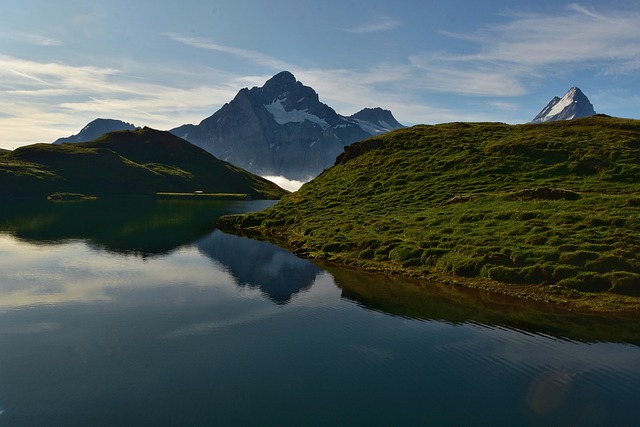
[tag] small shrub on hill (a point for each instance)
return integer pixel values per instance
(587, 282)
(625, 283)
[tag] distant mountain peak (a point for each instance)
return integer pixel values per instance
(573, 105)
(282, 78)
(382, 120)
(95, 129)
(283, 93)
(278, 85)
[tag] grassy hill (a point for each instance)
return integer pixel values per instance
(143, 161)
(547, 211)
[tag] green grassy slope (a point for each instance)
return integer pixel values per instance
(144, 161)
(489, 204)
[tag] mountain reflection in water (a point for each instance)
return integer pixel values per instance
(275, 271)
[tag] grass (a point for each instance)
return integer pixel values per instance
(140, 162)
(546, 211)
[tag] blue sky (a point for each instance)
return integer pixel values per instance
(163, 64)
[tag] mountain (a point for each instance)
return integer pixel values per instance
(573, 105)
(490, 205)
(96, 129)
(139, 162)
(283, 129)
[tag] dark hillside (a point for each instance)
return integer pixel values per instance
(139, 162)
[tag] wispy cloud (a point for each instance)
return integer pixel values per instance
(479, 79)
(31, 38)
(506, 57)
(246, 54)
(20, 73)
(380, 25)
(577, 37)
(41, 102)
(388, 85)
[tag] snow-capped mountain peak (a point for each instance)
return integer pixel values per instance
(574, 104)
(282, 128)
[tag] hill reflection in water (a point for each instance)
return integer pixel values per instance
(149, 228)
(138, 226)
(459, 305)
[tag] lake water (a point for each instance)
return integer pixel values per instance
(141, 313)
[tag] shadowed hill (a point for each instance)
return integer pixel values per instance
(142, 161)
(488, 204)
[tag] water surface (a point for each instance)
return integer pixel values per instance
(141, 313)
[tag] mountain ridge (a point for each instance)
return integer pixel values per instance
(283, 129)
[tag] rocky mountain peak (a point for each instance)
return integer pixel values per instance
(573, 105)
(281, 80)
(283, 86)
(283, 93)
(282, 128)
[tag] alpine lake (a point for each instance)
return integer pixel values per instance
(139, 312)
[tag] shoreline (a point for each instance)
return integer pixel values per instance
(566, 299)
(202, 196)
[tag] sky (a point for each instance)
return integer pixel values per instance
(162, 64)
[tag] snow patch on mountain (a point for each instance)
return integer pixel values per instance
(282, 116)
(566, 101)
(374, 128)
(375, 121)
